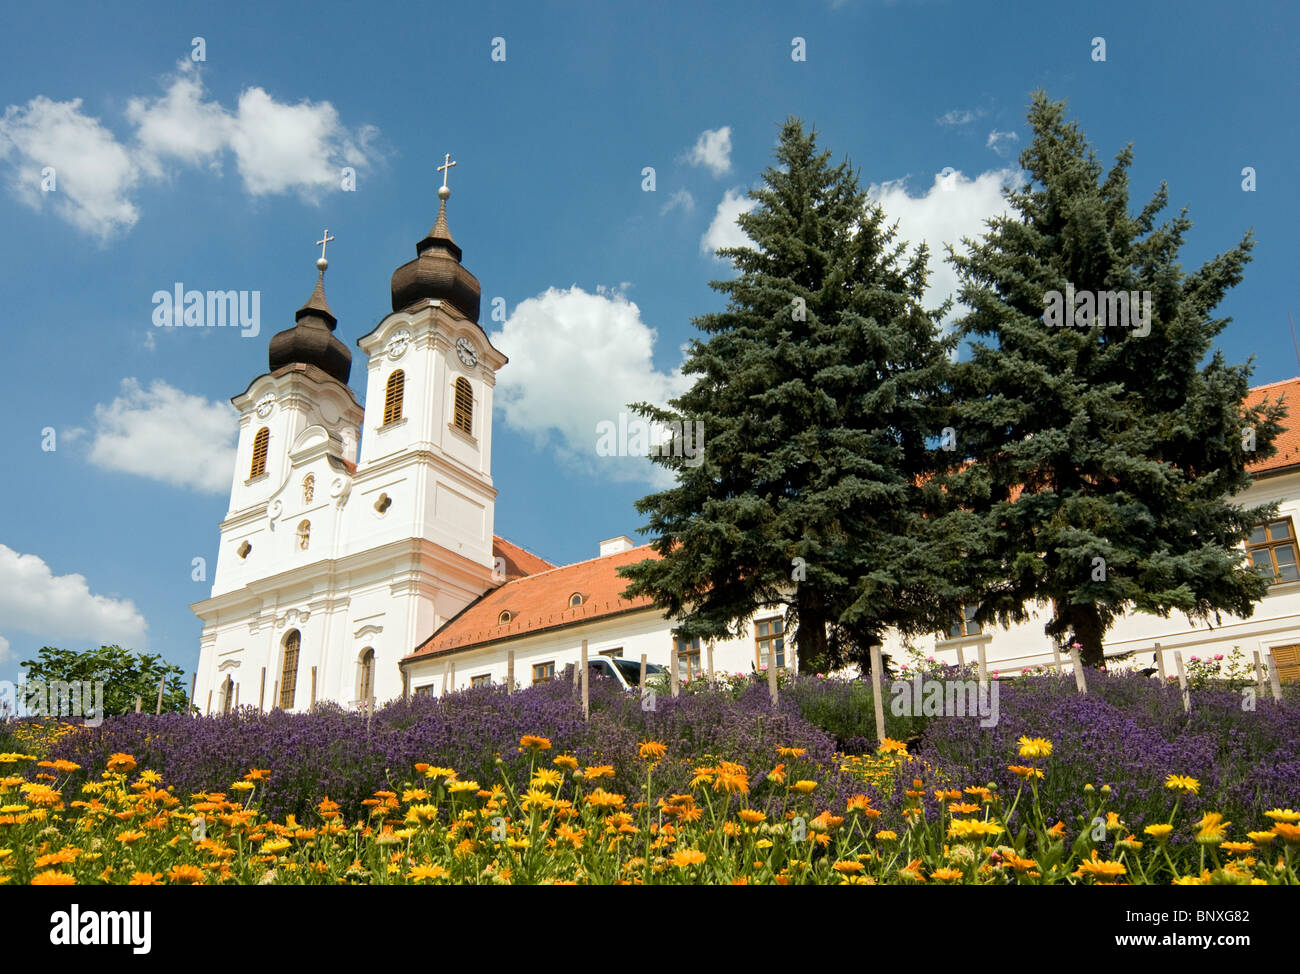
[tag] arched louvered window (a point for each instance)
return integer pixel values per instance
(366, 677)
(463, 414)
(260, 443)
(393, 397)
(289, 672)
(308, 488)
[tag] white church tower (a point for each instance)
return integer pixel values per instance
(335, 564)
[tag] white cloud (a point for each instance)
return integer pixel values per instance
(1001, 142)
(6, 651)
(61, 607)
(93, 174)
(167, 435)
(565, 333)
(959, 116)
(712, 150)
(954, 207)
(278, 148)
(682, 199)
(724, 231)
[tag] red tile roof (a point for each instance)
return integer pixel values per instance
(540, 602)
(1288, 441)
(519, 562)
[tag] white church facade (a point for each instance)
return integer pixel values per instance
(358, 560)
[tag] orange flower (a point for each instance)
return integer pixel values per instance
(121, 762)
(687, 857)
(53, 877)
(532, 742)
(185, 875)
(145, 879)
(750, 815)
(652, 750)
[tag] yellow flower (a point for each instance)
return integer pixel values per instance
(1159, 832)
(972, 829)
(688, 857)
(436, 773)
(750, 815)
(1290, 833)
(598, 771)
(567, 761)
(848, 867)
(887, 835)
(546, 778)
(1212, 829)
(1181, 782)
(1283, 815)
(890, 746)
(145, 879)
(1237, 847)
(791, 752)
(1035, 747)
(1261, 838)
(427, 872)
(946, 875)
(534, 743)
(275, 845)
(803, 786)
(243, 786)
(1096, 868)
(1022, 771)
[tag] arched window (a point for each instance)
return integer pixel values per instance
(304, 535)
(260, 442)
(308, 488)
(227, 694)
(575, 600)
(289, 672)
(504, 617)
(393, 397)
(366, 676)
(463, 413)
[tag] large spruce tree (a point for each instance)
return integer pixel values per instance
(1103, 459)
(818, 390)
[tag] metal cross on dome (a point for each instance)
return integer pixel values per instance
(325, 239)
(445, 168)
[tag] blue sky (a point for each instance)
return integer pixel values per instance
(221, 174)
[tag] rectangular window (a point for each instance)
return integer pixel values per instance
(966, 625)
(1272, 550)
(426, 691)
(612, 653)
(543, 672)
(769, 634)
(483, 680)
(688, 657)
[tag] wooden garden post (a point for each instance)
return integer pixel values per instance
(641, 685)
(510, 671)
(672, 670)
(586, 684)
(983, 666)
(162, 685)
(1182, 680)
(261, 693)
(194, 680)
(312, 706)
(876, 693)
(961, 658)
(710, 652)
(1080, 681)
(1056, 657)
(1160, 666)
(1259, 675)
(1274, 679)
(771, 670)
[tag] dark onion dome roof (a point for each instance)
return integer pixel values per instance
(437, 272)
(311, 340)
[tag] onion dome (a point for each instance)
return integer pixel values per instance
(437, 272)
(311, 340)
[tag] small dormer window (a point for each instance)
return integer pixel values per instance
(575, 600)
(505, 617)
(308, 488)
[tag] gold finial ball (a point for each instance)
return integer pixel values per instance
(443, 192)
(321, 263)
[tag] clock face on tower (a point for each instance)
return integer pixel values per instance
(397, 344)
(465, 352)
